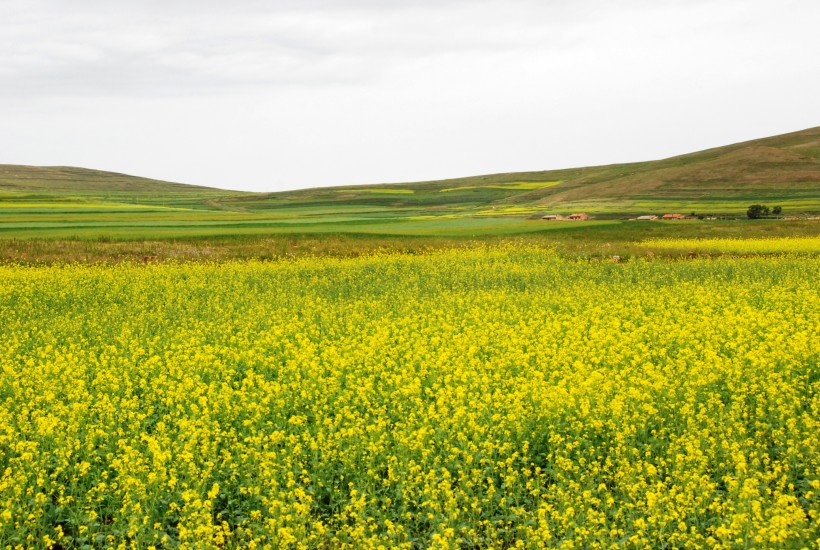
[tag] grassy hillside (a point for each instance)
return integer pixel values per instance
(66, 179)
(782, 169)
(59, 202)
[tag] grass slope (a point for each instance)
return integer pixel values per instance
(784, 169)
(60, 202)
(67, 179)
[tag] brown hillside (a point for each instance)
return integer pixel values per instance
(789, 163)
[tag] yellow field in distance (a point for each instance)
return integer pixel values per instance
(740, 246)
(522, 185)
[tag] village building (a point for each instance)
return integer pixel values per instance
(578, 217)
(553, 217)
(674, 217)
(647, 217)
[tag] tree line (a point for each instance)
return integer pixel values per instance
(757, 211)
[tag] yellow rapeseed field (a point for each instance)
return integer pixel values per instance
(483, 398)
(792, 245)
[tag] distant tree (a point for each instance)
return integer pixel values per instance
(777, 210)
(757, 211)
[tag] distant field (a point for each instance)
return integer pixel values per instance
(517, 185)
(74, 203)
(596, 239)
(803, 245)
(712, 206)
(134, 217)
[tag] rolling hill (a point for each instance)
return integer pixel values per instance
(66, 179)
(784, 168)
(64, 202)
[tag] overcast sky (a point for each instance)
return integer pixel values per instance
(278, 94)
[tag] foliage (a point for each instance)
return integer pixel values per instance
(757, 211)
(491, 397)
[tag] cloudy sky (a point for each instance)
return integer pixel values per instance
(282, 94)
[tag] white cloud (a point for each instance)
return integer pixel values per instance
(260, 94)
